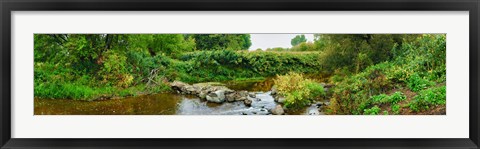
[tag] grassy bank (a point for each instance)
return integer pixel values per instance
(413, 82)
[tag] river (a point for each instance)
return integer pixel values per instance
(167, 104)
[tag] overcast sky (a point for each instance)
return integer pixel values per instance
(265, 41)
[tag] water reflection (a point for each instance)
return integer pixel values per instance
(254, 85)
(159, 104)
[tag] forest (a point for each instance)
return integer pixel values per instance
(336, 74)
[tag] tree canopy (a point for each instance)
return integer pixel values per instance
(222, 41)
(298, 39)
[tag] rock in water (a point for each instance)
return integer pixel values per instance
(203, 94)
(190, 89)
(252, 95)
(273, 91)
(248, 102)
(178, 85)
(241, 98)
(278, 110)
(230, 97)
(217, 96)
(279, 99)
(243, 93)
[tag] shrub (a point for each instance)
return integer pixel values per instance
(385, 112)
(395, 108)
(416, 83)
(397, 97)
(353, 92)
(385, 99)
(372, 111)
(316, 89)
(298, 91)
(429, 97)
(380, 99)
(244, 64)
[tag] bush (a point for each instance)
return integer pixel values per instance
(372, 111)
(316, 89)
(416, 83)
(298, 91)
(380, 99)
(397, 97)
(352, 94)
(429, 97)
(395, 108)
(223, 65)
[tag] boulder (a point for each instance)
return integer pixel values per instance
(278, 110)
(241, 98)
(248, 102)
(243, 93)
(251, 94)
(228, 91)
(230, 97)
(273, 91)
(279, 99)
(217, 96)
(190, 89)
(203, 94)
(178, 84)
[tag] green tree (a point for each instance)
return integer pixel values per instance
(167, 44)
(298, 39)
(362, 50)
(222, 41)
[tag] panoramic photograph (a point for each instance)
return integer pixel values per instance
(240, 74)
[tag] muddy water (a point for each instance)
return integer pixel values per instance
(165, 104)
(159, 104)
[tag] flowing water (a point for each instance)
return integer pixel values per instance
(165, 104)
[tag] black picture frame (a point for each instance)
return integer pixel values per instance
(7, 6)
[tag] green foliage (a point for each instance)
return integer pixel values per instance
(395, 108)
(304, 46)
(397, 97)
(228, 65)
(428, 98)
(357, 51)
(222, 41)
(372, 111)
(316, 89)
(298, 90)
(162, 44)
(298, 39)
(86, 66)
(381, 99)
(363, 67)
(416, 83)
(413, 66)
(385, 99)
(385, 112)
(277, 49)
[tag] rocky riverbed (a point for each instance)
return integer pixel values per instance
(254, 103)
(233, 98)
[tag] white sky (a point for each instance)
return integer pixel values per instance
(265, 41)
